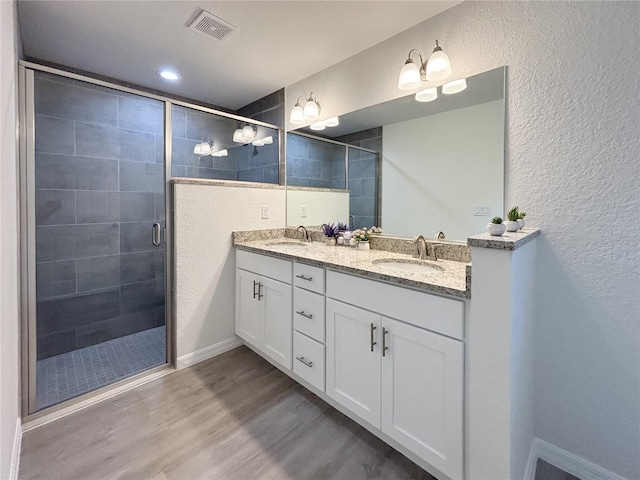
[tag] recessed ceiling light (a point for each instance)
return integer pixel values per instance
(168, 74)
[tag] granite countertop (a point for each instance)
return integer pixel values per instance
(454, 278)
(508, 241)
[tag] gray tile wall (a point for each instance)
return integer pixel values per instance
(244, 162)
(363, 166)
(314, 163)
(99, 188)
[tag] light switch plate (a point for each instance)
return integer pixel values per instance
(482, 211)
(265, 211)
(303, 211)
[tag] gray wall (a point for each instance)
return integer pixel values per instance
(99, 188)
(314, 163)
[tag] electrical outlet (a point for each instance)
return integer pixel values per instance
(265, 211)
(482, 211)
(303, 211)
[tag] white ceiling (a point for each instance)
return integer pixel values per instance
(277, 42)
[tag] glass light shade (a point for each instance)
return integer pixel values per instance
(438, 66)
(427, 95)
(237, 136)
(258, 143)
(267, 140)
(317, 126)
(197, 149)
(409, 78)
(248, 132)
(332, 122)
(205, 148)
(311, 110)
(224, 153)
(220, 153)
(297, 115)
(454, 87)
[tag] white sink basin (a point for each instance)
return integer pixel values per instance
(293, 243)
(408, 266)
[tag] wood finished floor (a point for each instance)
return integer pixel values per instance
(231, 417)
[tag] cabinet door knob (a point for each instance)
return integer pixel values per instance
(373, 327)
(384, 341)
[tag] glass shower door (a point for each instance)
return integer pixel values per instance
(99, 256)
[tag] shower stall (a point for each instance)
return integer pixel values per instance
(96, 162)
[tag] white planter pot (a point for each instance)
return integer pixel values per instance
(512, 226)
(521, 222)
(496, 229)
(330, 241)
(363, 245)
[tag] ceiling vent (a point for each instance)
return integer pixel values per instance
(208, 24)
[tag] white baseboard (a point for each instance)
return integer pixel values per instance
(208, 352)
(15, 454)
(570, 463)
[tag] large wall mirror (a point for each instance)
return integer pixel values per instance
(411, 167)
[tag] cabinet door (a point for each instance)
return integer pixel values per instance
(249, 326)
(422, 394)
(353, 369)
(276, 299)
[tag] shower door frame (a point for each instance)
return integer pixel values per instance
(26, 74)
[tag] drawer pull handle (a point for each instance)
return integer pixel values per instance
(384, 341)
(373, 327)
(308, 363)
(260, 294)
(302, 277)
(307, 315)
(255, 294)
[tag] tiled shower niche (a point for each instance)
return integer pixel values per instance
(99, 179)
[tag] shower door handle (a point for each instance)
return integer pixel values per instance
(155, 234)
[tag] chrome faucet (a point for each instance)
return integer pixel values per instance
(352, 220)
(439, 235)
(305, 235)
(421, 247)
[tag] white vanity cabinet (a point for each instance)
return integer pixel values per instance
(264, 305)
(394, 373)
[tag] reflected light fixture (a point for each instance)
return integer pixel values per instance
(454, 87)
(435, 69)
(310, 112)
(220, 153)
(332, 122)
(317, 126)
(267, 140)
(245, 134)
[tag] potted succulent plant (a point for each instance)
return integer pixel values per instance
(496, 227)
(512, 225)
(330, 233)
(342, 227)
(521, 216)
(362, 236)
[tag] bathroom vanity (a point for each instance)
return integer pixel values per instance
(382, 343)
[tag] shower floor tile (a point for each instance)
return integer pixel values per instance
(71, 374)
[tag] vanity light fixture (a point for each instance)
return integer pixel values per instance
(220, 153)
(317, 126)
(267, 140)
(332, 122)
(244, 134)
(454, 87)
(310, 112)
(435, 69)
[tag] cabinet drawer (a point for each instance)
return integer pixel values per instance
(275, 268)
(308, 360)
(308, 313)
(308, 277)
(424, 310)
